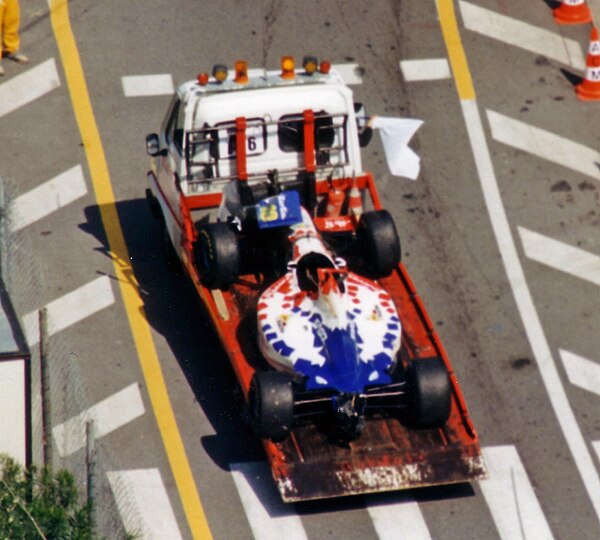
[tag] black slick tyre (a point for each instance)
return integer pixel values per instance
(379, 242)
(428, 392)
(217, 255)
(271, 403)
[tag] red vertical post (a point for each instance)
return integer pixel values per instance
(240, 148)
(309, 140)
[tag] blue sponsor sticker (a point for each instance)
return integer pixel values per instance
(279, 211)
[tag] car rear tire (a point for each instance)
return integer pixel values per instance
(271, 403)
(217, 255)
(428, 392)
(379, 242)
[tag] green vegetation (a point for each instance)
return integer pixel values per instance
(37, 504)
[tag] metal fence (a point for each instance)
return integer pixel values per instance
(58, 393)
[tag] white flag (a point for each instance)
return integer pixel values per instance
(395, 134)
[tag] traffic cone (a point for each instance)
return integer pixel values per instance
(589, 89)
(355, 205)
(572, 12)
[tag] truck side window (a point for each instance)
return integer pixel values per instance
(174, 131)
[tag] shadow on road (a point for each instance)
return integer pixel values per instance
(174, 310)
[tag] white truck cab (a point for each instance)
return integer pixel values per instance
(196, 150)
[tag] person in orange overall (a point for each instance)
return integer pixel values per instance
(9, 32)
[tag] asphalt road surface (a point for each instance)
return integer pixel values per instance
(499, 233)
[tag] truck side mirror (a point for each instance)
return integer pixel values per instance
(152, 144)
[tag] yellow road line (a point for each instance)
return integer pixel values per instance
(456, 52)
(134, 305)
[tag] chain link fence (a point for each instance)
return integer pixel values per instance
(58, 391)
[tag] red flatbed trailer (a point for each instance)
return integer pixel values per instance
(388, 455)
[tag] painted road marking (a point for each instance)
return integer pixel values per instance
(147, 85)
(560, 256)
(350, 73)
(522, 35)
(430, 69)
(398, 520)
(153, 517)
(47, 198)
(108, 415)
(581, 371)
(29, 86)
(269, 517)
(510, 496)
(499, 221)
(596, 445)
(545, 144)
(71, 308)
(134, 305)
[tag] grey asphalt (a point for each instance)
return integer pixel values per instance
(448, 244)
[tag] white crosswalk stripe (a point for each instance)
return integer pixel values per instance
(596, 445)
(351, 73)
(269, 517)
(70, 308)
(544, 144)
(147, 85)
(400, 520)
(144, 505)
(581, 371)
(108, 415)
(29, 86)
(510, 497)
(519, 34)
(429, 69)
(47, 198)
(560, 256)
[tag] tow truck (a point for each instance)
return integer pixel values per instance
(258, 185)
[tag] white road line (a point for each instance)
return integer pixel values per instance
(400, 520)
(581, 371)
(522, 35)
(108, 415)
(47, 198)
(269, 517)
(13, 427)
(351, 73)
(531, 322)
(545, 144)
(510, 496)
(71, 308)
(560, 256)
(28, 86)
(596, 445)
(147, 85)
(430, 69)
(144, 504)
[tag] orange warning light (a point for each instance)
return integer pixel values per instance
(219, 72)
(287, 67)
(310, 64)
(202, 79)
(241, 72)
(324, 67)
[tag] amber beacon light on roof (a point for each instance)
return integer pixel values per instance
(220, 73)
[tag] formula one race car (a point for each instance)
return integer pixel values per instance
(331, 335)
(257, 182)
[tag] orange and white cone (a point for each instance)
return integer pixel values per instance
(589, 89)
(355, 205)
(572, 12)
